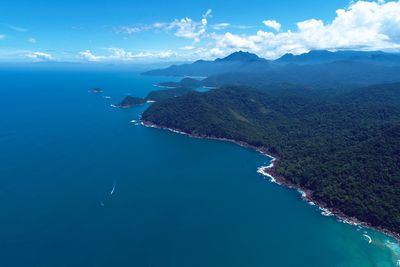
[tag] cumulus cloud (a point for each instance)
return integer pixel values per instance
(41, 56)
(216, 52)
(185, 28)
(189, 29)
(120, 54)
(89, 56)
(363, 25)
(272, 24)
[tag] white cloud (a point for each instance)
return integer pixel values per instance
(88, 55)
(232, 41)
(216, 52)
(129, 30)
(364, 25)
(32, 40)
(189, 29)
(220, 26)
(2, 36)
(120, 54)
(18, 29)
(272, 24)
(166, 54)
(188, 47)
(41, 56)
(185, 28)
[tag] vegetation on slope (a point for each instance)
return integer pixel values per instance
(344, 147)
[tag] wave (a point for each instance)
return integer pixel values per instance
(326, 212)
(368, 238)
(263, 171)
(394, 247)
(350, 222)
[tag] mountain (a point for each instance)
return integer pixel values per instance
(240, 57)
(236, 62)
(316, 68)
(323, 56)
(345, 148)
(328, 75)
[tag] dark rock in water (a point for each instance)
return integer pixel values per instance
(130, 101)
(96, 90)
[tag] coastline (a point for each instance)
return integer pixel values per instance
(165, 86)
(270, 172)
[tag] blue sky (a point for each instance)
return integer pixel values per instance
(155, 30)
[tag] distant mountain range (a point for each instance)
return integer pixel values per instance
(239, 61)
(316, 68)
(323, 56)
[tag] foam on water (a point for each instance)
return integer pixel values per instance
(368, 238)
(262, 170)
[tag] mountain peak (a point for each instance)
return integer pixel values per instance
(241, 56)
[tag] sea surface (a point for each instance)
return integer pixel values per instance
(82, 185)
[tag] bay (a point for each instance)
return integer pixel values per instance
(81, 185)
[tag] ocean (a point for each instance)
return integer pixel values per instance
(82, 185)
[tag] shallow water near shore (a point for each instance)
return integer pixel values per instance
(81, 185)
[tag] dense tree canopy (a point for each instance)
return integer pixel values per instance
(344, 146)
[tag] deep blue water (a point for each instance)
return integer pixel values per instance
(178, 201)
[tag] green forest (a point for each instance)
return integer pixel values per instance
(343, 146)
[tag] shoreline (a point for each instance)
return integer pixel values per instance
(269, 171)
(165, 86)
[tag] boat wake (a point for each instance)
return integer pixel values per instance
(113, 189)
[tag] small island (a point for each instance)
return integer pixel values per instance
(130, 101)
(153, 96)
(96, 90)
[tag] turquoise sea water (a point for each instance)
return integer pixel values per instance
(177, 201)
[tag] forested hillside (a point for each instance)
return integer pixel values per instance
(344, 147)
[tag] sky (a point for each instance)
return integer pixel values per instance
(159, 30)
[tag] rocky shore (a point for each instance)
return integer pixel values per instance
(270, 171)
